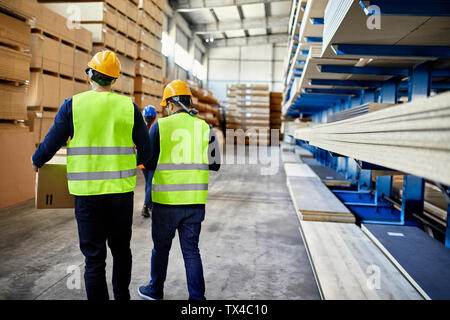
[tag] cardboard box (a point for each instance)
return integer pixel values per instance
(54, 24)
(66, 60)
(120, 43)
(144, 20)
(80, 64)
(52, 191)
(101, 34)
(121, 5)
(80, 87)
(83, 38)
(14, 65)
(17, 176)
(25, 8)
(132, 30)
(131, 48)
(146, 5)
(127, 65)
(44, 53)
(39, 124)
(13, 103)
(43, 91)
(143, 100)
(127, 84)
(122, 23)
(132, 11)
(14, 32)
(66, 88)
(142, 84)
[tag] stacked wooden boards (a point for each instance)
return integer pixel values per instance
(329, 176)
(357, 111)
(315, 202)
(348, 266)
(312, 200)
(413, 137)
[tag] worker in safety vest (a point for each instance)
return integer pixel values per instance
(103, 127)
(183, 150)
(150, 118)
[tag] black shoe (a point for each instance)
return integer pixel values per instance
(146, 211)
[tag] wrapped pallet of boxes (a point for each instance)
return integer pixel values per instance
(276, 99)
(231, 111)
(59, 57)
(14, 63)
(253, 102)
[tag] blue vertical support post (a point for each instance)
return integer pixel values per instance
(389, 92)
(352, 170)
(365, 179)
(412, 197)
(419, 85)
(383, 188)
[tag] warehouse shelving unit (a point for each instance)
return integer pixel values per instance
(402, 72)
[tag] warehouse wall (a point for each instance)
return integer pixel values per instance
(262, 64)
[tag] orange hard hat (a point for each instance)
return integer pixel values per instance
(106, 62)
(175, 88)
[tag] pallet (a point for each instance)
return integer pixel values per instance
(346, 264)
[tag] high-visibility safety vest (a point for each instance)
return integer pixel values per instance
(182, 173)
(100, 156)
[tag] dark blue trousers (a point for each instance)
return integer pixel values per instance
(105, 219)
(165, 221)
(148, 175)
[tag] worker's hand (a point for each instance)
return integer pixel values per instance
(35, 168)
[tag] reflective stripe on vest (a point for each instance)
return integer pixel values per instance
(100, 156)
(182, 166)
(79, 176)
(182, 173)
(88, 151)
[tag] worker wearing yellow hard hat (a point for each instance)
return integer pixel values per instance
(178, 93)
(104, 68)
(184, 149)
(101, 171)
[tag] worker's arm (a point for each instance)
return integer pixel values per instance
(141, 138)
(214, 155)
(154, 147)
(56, 137)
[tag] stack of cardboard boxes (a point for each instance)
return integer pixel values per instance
(231, 110)
(148, 87)
(17, 176)
(276, 98)
(132, 29)
(113, 25)
(60, 54)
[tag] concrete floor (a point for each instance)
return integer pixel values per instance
(250, 245)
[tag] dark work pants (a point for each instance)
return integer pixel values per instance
(148, 175)
(105, 219)
(165, 221)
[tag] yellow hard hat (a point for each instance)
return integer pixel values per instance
(173, 89)
(106, 62)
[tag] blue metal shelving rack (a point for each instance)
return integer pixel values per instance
(368, 200)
